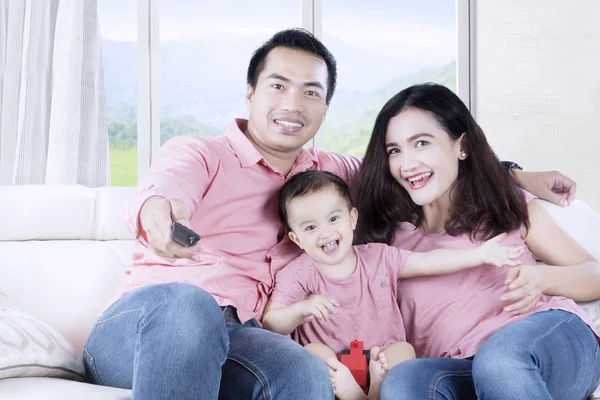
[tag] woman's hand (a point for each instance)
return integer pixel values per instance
(526, 287)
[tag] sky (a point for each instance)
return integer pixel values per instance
(385, 21)
(379, 38)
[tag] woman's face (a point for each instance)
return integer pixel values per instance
(422, 157)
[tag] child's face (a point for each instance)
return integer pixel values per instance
(322, 225)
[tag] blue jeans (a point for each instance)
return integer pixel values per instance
(172, 341)
(548, 355)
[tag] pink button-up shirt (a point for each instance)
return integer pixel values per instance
(231, 196)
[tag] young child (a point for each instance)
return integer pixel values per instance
(336, 292)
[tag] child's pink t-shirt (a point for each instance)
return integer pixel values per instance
(452, 315)
(368, 308)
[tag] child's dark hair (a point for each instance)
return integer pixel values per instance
(309, 182)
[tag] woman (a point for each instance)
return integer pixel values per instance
(430, 180)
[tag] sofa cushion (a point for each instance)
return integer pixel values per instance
(65, 283)
(58, 389)
(30, 347)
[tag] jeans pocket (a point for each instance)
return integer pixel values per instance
(90, 368)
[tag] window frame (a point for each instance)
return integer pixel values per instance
(148, 47)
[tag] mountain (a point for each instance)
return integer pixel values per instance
(203, 82)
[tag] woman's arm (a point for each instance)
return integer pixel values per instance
(571, 271)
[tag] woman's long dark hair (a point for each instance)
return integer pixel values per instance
(485, 201)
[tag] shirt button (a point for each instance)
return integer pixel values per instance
(128, 272)
(384, 284)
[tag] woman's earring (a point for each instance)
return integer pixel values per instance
(463, 155)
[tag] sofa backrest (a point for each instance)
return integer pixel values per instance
(63, 252)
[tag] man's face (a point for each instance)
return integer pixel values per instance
(287, 106)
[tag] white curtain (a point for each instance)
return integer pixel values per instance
(52, 103)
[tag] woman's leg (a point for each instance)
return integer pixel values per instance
(548, 355)
(429, 379)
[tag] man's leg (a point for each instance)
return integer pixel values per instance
(429, 379)
(163, 341)
(265, 365)
(548, 355)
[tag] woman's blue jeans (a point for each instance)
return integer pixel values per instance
(550, 355)
(172, 341)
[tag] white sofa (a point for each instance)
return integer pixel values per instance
(64, 250)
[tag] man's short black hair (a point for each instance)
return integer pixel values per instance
(296, 39)
(309, 182)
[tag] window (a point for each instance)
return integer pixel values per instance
(118, 30)
(192, 56)
(382, 47)
(205, 47)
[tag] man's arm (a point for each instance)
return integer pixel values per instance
(171, 191)
(445, 261)
(548, 185)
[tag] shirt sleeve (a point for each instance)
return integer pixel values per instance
(343, 166)
(396, 260)
(291, 283)
(527, 196)
(180, 170)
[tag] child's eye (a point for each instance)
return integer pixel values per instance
(276, 86)
(310, 228)
(333, 219)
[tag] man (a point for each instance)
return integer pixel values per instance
(186, 326)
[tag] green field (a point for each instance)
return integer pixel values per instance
(123, 166)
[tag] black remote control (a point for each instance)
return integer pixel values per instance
(183, 235)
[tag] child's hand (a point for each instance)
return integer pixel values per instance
(318, 306)
(492, 252)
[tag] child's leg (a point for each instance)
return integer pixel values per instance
(344, 385)
(396, 353)
(321, 351)
(383, 360)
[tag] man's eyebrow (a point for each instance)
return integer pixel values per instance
(277, 76)
(410, 139)
(284, 79)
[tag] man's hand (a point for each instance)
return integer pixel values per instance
(526, 287)
(318, 306)
(548, 185)
(156, 218)
(494, 253)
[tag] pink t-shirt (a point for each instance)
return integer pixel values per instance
(231, 195)
(368, 308)
(452, 315)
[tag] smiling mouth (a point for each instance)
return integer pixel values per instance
(288, 124)
(331, 247)
(418, 181)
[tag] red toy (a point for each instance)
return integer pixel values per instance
(356, 362)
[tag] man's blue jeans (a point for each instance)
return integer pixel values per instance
(550, 355)
(172, 341)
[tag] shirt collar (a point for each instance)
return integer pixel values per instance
(248, 154)
(243, 148)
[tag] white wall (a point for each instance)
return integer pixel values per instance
(537, 85)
